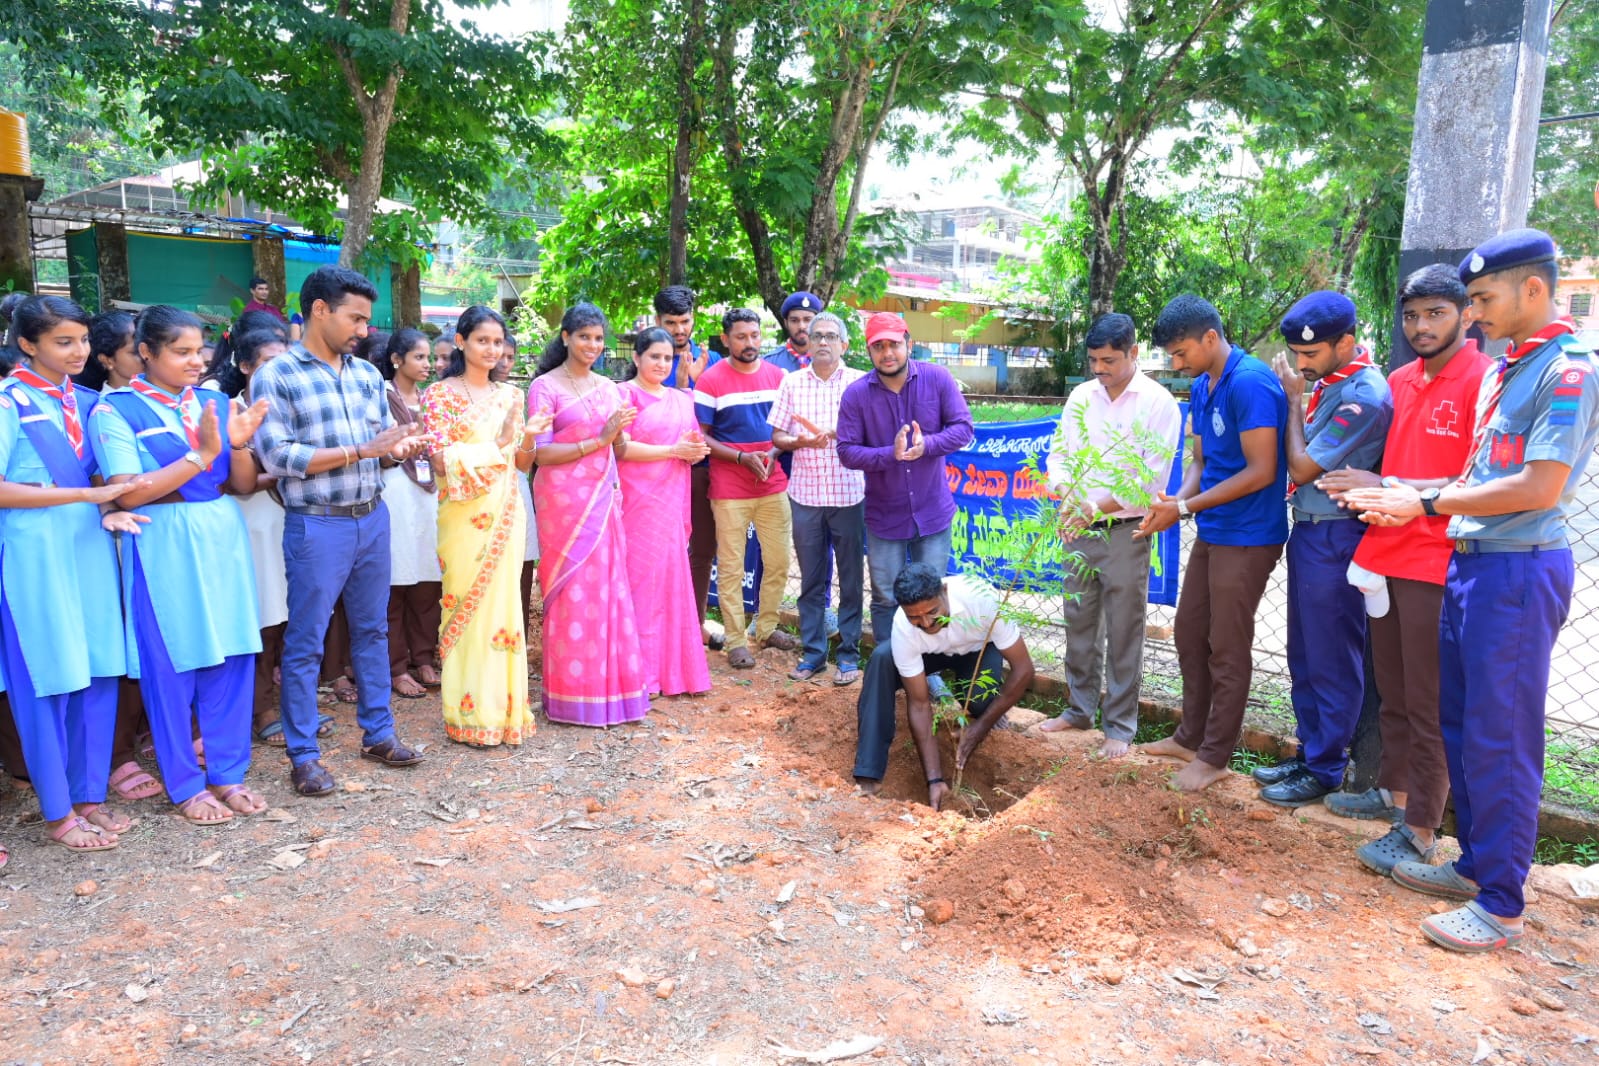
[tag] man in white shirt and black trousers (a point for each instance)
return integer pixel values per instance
(942, 623)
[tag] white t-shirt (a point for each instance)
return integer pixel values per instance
(972, 606)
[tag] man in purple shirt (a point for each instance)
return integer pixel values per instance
(897, 424)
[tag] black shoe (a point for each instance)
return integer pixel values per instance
(1302, 788)
(1270, 775)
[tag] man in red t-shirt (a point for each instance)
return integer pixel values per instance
(731, 401)
(1429, 444)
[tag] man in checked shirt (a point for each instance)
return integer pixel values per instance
(325, 438)
(825, 500)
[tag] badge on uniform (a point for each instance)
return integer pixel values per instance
(1568, 398)
(1216, 424)
(23, 400)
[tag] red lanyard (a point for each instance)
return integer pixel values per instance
(1508, 362)
(67, 400)
(184, 406)
(1360, 362)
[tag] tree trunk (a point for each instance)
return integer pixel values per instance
(767, 281)
(821, 226)
(1107, 250)
(834, 254)
(377, 116)
(682, 160)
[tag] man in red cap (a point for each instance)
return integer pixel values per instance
(897, 424)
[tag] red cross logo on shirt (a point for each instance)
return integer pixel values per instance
(1444, 417)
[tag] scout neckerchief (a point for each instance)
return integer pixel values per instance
(182, 405)
(801, 358)
(1506, 366)
(67, 400)
(1360, 362)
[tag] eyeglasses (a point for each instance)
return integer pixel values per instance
(829, 338)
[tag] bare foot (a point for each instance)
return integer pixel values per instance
(1061, 724)
(1113, 749)
(407, 686)
(427, 675)
(1198, 776)
(1167, 749)
(868, 786)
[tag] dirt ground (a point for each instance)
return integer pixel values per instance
(709, 888)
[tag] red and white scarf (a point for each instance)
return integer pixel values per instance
(63, 396)
(1508, 362)
(184, 404)
(1360, 362)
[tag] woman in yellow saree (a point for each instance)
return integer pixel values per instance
(479, 443)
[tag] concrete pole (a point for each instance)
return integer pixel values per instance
(1476, 131)
(1471, 156)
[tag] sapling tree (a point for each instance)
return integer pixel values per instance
(1031, 549)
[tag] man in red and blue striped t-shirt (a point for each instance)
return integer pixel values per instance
(731, 401)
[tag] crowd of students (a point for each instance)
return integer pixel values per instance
(392, 526)
(389, 525)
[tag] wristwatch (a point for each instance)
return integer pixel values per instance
(1429, 498)
(194, 457)
(1182, 509)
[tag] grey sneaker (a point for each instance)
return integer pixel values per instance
(1368, 806)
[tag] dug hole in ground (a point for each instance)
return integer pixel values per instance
(710, 888)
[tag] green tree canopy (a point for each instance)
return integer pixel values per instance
(295, 104)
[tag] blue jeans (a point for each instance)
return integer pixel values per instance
(886, 558)
(814, 527)
(323, 559)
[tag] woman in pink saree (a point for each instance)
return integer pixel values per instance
(663, 442)
(593, 670)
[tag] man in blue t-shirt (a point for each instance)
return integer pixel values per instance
(1234, 490)
(1508, 590)
(1341, 424)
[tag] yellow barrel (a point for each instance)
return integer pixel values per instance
(14, 155)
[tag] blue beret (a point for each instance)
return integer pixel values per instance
(1321, 316)
(801, 301)
(1517, 248)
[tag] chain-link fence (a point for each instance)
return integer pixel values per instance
(1571, 771)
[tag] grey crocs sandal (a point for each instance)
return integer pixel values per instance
(1370, 805)
(1469, 929)
(1441, 881)
(1398, 845)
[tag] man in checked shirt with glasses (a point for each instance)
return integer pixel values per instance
(825, 500)
(325, 438)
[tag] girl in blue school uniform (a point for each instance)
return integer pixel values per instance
(61, 633)
(191, 610)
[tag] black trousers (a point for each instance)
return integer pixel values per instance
(874, 713)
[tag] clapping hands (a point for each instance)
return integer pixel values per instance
(908, 443)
